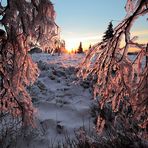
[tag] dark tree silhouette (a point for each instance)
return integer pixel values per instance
(109, 32)
(89, 47)
(80, 49)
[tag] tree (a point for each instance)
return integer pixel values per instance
(89, 46)
(62, 46)
(24, 22)
(109, 32)
(80, 49)
(121, 84)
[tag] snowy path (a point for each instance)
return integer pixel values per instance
(63, 104)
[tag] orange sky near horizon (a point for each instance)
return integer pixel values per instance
(80, 25)
(73, 43)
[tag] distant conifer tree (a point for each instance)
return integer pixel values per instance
(80, 49)
(109, 32)
(89, 46)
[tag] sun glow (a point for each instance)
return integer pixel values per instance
(71, 45)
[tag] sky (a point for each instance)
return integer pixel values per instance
(86, 20)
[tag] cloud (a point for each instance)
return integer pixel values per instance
(141, 32)
(69, 32)
(86, 38)
(86, 41)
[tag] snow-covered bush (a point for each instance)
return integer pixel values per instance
(121, 84)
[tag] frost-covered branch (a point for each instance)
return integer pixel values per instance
(120, 84)
(25, 22)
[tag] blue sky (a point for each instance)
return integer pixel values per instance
(87, 20)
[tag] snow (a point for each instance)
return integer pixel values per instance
(63, 105)
(62, 102)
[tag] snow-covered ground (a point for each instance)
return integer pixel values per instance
(62, 103)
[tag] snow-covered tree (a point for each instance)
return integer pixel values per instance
(121, 84)
(109, 32)
(24, 22)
